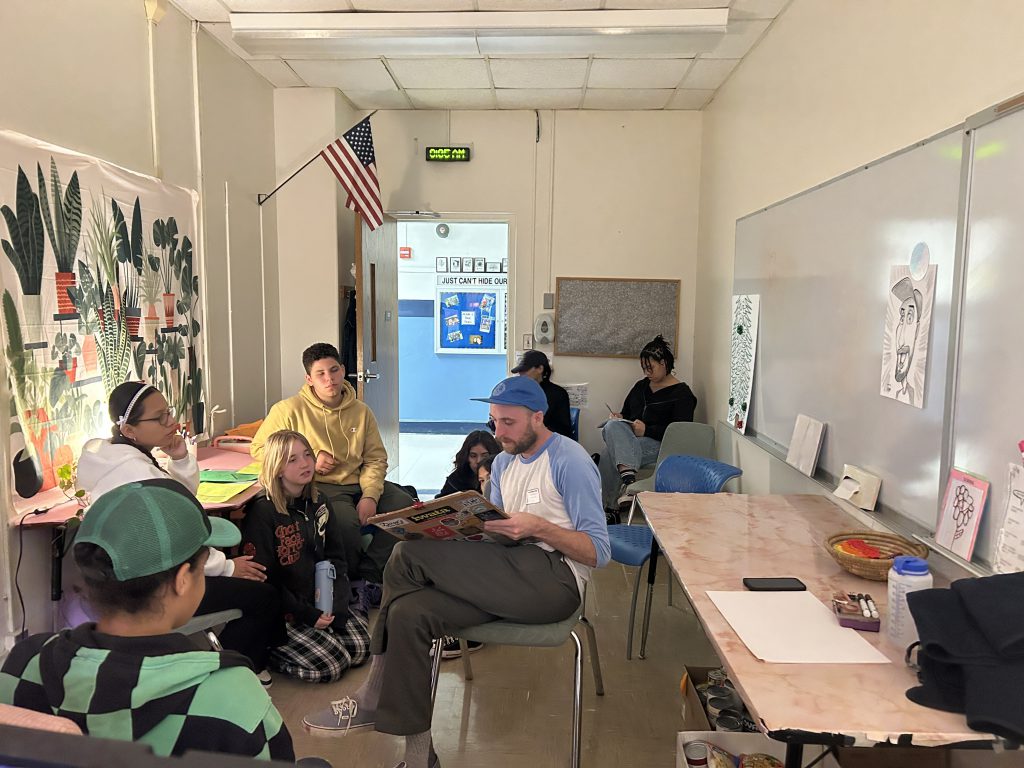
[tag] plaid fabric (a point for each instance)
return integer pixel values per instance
(322, 655)
(157, 690)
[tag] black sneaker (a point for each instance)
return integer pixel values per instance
(612, 517)
(452, 649)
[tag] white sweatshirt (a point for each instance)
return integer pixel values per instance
(104, 466)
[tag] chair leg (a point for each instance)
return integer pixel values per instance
(467, 665)
(670, 587)
(632, 614)
(647, 620)
(577, 701)
(435, 670)
(595, 658)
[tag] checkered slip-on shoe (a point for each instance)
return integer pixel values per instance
(342, 715)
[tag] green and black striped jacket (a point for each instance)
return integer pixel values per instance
(158, 690)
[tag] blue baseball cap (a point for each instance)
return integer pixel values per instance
(517, 390)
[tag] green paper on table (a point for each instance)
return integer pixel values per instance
(226, 476)
(218, 493)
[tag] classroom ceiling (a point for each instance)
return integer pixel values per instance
(494, 54)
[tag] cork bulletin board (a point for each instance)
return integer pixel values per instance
(613, 317)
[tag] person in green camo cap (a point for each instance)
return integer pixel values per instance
(129, 676)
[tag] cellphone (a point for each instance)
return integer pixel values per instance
(779, 584)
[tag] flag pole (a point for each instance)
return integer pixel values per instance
(262, 198)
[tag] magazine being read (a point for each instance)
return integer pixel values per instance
(453, 517)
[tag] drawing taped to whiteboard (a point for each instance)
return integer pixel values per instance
(907, 330)
(962, 507)
(743, 350)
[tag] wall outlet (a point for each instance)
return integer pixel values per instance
(527, 341)
(549, 301)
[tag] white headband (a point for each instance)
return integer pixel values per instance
(128, 411)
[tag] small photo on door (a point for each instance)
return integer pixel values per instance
(467, 264)
(442, 264)
(480, 265)
(494, 266)
(455, 264)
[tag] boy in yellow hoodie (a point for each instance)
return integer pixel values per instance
(351, 460)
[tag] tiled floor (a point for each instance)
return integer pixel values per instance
(426, 460)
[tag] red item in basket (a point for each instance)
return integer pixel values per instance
(860, 548)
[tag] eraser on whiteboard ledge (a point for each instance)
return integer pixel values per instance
(859, 487)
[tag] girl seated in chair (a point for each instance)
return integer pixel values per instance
(289, 530)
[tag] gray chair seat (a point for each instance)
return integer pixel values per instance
(207, 624)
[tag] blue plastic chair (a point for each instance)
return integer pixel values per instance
(574, 420)
(633, 544)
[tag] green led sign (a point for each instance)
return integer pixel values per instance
(447, 154)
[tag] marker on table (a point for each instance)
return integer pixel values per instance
(871, 606)
(864, 606)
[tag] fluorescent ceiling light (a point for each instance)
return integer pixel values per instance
(480, 32)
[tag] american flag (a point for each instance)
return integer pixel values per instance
(352, 159)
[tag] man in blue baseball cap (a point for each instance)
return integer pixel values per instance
(549, 487)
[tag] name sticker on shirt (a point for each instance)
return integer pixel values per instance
(533, 496)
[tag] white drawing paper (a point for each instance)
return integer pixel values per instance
(743, 351)
(805, 444)
(1010, 545)
(579, 395)
(908, 320)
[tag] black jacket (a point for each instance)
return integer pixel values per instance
(659, 409)
(557, 417)
(462, 479)
(290, 547)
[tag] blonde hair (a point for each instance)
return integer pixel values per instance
(275, 456)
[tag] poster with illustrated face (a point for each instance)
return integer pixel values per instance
(908, 322)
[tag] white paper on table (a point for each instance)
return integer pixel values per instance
(847, 488)
(1010, 546)
(793, 628)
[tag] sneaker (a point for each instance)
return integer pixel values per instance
(370, 594)
(612, 517)
(628, 477)
(342, 715)
(452, 649)
(265, 679)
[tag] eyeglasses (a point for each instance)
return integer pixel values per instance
(166, 418)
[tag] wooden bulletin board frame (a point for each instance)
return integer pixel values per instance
(614, 316)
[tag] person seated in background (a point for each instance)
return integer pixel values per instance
(478, 445)
(143, 422)
(129, 676)
(351, 460)
(535, 365)
(549, 488)
(289, 529)
(632, 438)
(483, 473)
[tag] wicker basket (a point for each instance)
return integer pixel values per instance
(889, 544)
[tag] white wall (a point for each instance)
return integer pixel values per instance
(77, 75)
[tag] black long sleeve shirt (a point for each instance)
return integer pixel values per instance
(659, 409)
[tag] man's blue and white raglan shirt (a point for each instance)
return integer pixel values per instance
(561, 484)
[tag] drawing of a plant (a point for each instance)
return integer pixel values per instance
(26, 247)
(64, 225)
(741, 363)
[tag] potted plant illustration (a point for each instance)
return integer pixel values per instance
(165, 237)
(101, 257)
(64, 227)
(149, 292)
(85, 298)
(115, 345)
(65, 350)
(187, 308)
(129, 257)
(25, 250)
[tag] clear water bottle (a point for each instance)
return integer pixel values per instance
(908, 574)
(323, 596)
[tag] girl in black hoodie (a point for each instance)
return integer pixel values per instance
(289, 530)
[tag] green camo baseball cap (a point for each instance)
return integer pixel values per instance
(151, 526)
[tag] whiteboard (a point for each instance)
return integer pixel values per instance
(821, 264)
(988, 419)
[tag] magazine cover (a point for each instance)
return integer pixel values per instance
(456, 516)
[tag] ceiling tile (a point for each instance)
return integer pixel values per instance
(684, 99)
(440, 73)
(659, 5)
(277, 73)
(202, 10)
(413, 5)
(739, 39)
(378, 99)
(362, 74)
(439, 98)
(539, 5)
(745, 10)
(626, 98)
(539, 98)
(637, 73)
(222, 32)
(287, 6)
(708, 73)
(539, 73)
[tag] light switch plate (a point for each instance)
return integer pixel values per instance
(549, 301)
